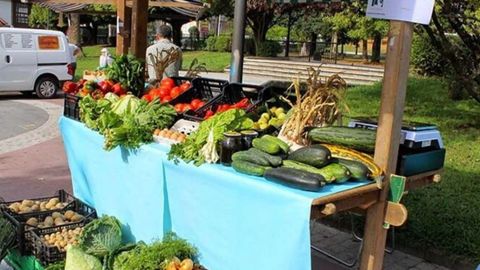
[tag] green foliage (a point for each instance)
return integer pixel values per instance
(129, 71)
(41, 17)
(443, 216)
(277, 32)
(223, 43)
(214, 61)
(269, 49)
(426, 59)
(101, 237)
(211, 43)
(77, 259)
(155, 256)
(56, 266)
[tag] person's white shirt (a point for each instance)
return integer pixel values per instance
(105, 58)
(158, 46)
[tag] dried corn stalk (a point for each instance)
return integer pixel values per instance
(319, 106)
(195, 69)
(163, 59)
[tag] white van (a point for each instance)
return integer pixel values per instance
(33, 60)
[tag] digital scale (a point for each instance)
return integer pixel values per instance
(421, 146)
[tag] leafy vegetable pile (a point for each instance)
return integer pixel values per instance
(127, 121)
(128, 71)
(7, 237)
(198, 147)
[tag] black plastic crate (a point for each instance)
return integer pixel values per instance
(231, 94)
(46, 253)
(71, 109)
(202, 88)
(23, 229)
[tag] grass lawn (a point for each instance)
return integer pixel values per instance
(444, 216)
(214, 61)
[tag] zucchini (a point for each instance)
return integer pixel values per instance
(249, 168)
(295, 178)
(274, 161)
(355, 138)
(317, 156)
(335, 173)
(300, 166)
(266, 146)
(250, 157)
(283, 145)
(357, 169)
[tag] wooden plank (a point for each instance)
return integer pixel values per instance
(139, 28)
(345, 194)
(124, 16)
(345, 204)
(388, 137)
(396, 214)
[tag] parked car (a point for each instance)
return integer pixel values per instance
(33, 60)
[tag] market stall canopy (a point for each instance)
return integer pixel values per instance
(177, 4)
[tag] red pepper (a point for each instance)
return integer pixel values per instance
(242, 104)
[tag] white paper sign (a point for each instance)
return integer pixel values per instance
(416, 11)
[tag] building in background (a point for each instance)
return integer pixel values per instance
(14, 13)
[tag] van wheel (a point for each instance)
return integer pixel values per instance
(46, 87)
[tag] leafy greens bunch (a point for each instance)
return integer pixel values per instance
(129, 71)
(127, 121)
(190, 149)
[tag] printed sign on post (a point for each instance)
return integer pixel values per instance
(416, 11)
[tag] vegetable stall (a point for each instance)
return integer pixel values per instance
(240, 170)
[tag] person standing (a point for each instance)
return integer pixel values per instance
(163, 41)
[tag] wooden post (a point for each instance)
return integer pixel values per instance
(124, 18)
(139, 28)
(388, 137)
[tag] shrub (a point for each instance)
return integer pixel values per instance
(223, 43)
(269, 49)
(210, 43)
(426, 59)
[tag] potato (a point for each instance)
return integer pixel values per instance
(69, 214)
(186, 264)
(54, 201)
(58, 221)
(27, 203)
(76, 218)
(57, 215)
(43, 206)
(35, 208)
(15, 207)
(32, 222)
(59, 206)
(48, 221)
(156, 132)
(50, 205)
(25, 209)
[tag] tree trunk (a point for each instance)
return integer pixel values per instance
(313, 44)
(376, 48)
(260, 23)
(74, 29)
(365, 50)
(177, 32)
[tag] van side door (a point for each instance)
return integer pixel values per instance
(18, 61)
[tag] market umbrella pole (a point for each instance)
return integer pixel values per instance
(236, 67)
(388, 137)
(139, 28)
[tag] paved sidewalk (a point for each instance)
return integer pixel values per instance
(38, 167)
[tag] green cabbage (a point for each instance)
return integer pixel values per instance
(101, 237)
(111, 97)
(79, 260)
(127, 104)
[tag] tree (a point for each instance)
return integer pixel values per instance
(41, 17)
(462, 17)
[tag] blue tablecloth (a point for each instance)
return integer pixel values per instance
(236, 221)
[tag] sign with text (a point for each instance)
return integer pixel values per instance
(48, 43)
(416, 11)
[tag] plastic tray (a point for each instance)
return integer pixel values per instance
(50, 254)
(231, 94)
(202, 88)
(23, 229)
(71, 108)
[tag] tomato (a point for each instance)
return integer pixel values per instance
(187, 107)
(201, 104)
(169, 82)
(118, 89)
(208, 114)
(163, 92)
(242, 104)
(148, 98)
(195, 103)
(176, 91)
(70, 87)
(154, 92)
(105, 86)
(185, 86)
(179, 107)
(166, 99)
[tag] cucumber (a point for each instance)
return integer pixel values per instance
(249, 168)
(283, 145)
(251, 157)
(266, 146)
(295, 178)
(357, 169)
(300, 166)
(317, 156)
(274, 161)
(335, 173)
(355, 138)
